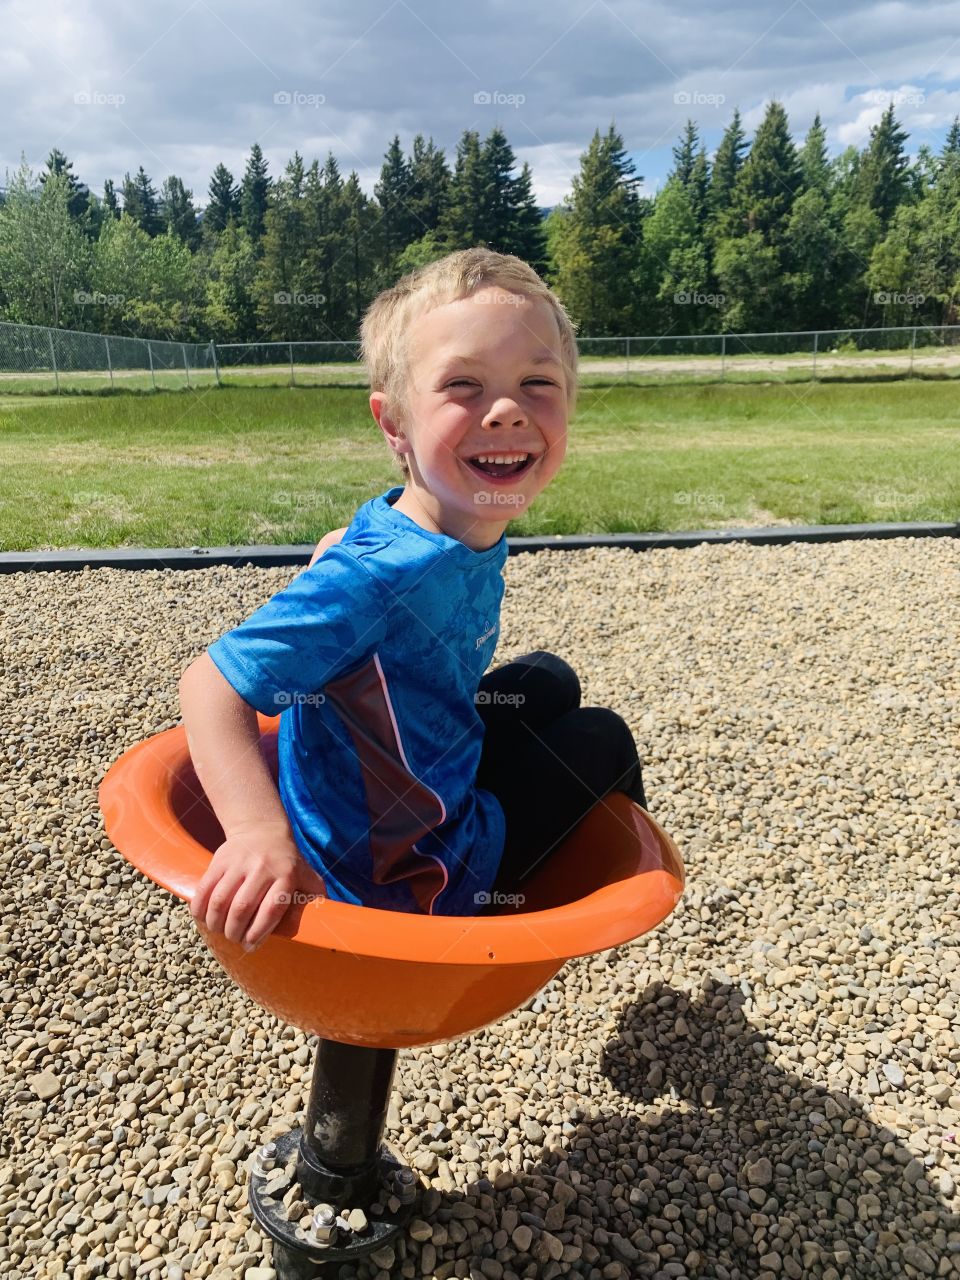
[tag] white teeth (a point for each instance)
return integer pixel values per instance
(502, 457)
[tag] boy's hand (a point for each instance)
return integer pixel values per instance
(251, 882)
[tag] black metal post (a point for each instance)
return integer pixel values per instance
(345, 1118)
(339, 1162)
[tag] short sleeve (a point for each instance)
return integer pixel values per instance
(330, 617)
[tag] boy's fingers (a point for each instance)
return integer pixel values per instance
(201, 894)
(273, 908)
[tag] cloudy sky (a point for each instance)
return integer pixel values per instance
(180, 86)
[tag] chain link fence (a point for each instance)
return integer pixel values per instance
(36, 360)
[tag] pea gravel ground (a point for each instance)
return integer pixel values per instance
(766, 1086)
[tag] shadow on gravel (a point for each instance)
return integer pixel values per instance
(754, 1171)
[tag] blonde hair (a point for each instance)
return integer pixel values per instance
(387, 321)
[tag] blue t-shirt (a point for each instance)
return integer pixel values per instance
(374, 655)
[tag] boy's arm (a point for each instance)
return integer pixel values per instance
(328, 540)
(249, 885)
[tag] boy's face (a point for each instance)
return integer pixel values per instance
(485, 378)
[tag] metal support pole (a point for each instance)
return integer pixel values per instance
(186, 367)
(339, 1165)
(628, 357)
(723, 357)
(913, 344)
(816, 338)
(153, 376)
(290, 353)
(106, 343)
(216, 365)
(53, 358)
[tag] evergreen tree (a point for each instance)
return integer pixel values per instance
(767, 184)
(691, 171)
(110, 203)
(528, 238)
(254, 195)
(466, 218)
(952, 144)
(597, 239)
(674, 270)
(398, 224)
(727, 164)
(79, 195)
(685, 153)
(884, 176)
(141, 204)
(280, 272)
(223, 200)
(429, 183)
(514, 224)
(814, 162)
(177, 211)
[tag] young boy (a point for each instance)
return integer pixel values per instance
(409, 780)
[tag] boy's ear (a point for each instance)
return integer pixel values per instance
(388, 423)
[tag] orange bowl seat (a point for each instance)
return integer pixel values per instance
(390, 979)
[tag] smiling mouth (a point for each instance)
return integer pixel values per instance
(498, 465)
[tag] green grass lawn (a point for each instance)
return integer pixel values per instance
(272, 465)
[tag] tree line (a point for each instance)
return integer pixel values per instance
(760, 236)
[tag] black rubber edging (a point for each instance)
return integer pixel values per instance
(268, 557)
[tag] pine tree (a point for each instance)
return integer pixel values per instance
(727, 164)
(767, 184)
(110, 203)
(596, 245)
(684, 154)
(528, 238)
(280, 274)
(177, 211)
(814, 162)
(141, 203)
(884, 177)
(254, 194)
(952, 144)
(398, 224)
(429, 183)
(79, 195)
(223, 200)
(466, 219)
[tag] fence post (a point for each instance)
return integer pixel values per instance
(913, 344)
(216, 366)
(290, 353)
(106, 343)
(723, 357)
(53, 358)
(186, 367)
(628, 357)
(816, 341)
(153, 376)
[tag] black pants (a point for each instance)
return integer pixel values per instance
(547, 759)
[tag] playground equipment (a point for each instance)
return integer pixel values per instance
(370, 982)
